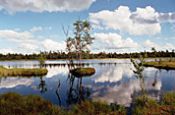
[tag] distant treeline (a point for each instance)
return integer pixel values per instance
(85, 55)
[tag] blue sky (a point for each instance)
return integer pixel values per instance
(28, 26)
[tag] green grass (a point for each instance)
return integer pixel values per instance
(79, 72)
(144, 105)
(168, 99)
(96, 108)
(15, 104)
(22, 71)
(161, 64)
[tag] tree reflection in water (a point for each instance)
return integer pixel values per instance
(42, 86)
(57, 93)
(155, 79)
(139, 68)
(76, 92)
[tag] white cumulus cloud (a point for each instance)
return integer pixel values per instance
(165, 46)
(123, 19)
(44, 5)
(28, 42)
(51, 45)
(107, 41)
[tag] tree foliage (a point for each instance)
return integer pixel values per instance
(81, 40)
(85, 55)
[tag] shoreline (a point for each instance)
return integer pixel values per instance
(82, 59)
(27, 72)
(161, 65)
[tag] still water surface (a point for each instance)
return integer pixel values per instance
(113, 82)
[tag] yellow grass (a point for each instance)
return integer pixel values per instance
(22, 71)
(161, 64)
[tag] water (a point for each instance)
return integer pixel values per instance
(113, 82)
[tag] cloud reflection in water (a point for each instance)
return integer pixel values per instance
(118, 84)
(14, 82)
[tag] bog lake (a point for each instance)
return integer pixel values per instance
(113, 82)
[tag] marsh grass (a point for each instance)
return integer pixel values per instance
(144, 105)
(161, 64)
(96, 108)
(22, 71)
(168, 99)
(15, 104)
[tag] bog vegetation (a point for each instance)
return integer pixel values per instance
(161, 64)
(12, 103)
(79, 72)
(145, 105)
(22, 71)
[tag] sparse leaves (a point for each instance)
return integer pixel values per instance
(139, 68)
(138, 65)
(81, 40)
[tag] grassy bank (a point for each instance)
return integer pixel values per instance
(22, 71)
(161, 64)
(144, 105)
(15, 104)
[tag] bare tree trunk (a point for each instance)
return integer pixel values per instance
(80, 59)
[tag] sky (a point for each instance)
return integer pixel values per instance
(31, 26)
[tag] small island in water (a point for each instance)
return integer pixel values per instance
(23, 72)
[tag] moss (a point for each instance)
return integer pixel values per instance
(79, 72)
(161, 65)
(22, 71)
